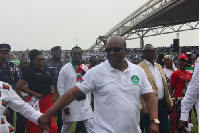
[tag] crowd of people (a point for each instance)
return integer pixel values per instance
(132, 53)
(101, 90)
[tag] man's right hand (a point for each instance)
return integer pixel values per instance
(45, 129)
(182, 125)
(43, 121)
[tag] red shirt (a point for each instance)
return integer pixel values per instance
(178, 79)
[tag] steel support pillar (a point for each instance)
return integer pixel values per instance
(142, 41)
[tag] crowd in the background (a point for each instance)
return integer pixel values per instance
(133, 53)
(51, 73)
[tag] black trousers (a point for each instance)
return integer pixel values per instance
(59, 120)
(80, 127)
(162, 117)
(20, 124)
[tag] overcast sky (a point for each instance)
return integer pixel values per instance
(42, 24)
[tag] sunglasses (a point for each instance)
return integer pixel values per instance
(4, 52)
(75, 53)
(148, 51)
(41, 59)
(57, 51)
(114, 49)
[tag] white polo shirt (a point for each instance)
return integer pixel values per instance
(116, 96)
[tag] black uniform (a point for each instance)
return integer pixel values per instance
(9, 74)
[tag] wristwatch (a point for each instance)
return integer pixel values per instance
(156, 121)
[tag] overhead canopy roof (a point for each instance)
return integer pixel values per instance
(181, 12)
(155, 14)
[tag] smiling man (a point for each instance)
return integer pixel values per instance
(117, 86)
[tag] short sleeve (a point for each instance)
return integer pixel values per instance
(88, 82)
(145, 85)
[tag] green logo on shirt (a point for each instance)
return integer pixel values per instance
(135, 79)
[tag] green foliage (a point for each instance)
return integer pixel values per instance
(195, 123)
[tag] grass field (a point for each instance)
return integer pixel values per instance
(71, 130)
(194, 121)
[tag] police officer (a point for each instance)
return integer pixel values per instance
(8, 73)
(55, 64)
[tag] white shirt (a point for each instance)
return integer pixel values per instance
(158, 78)
(168, 72)
(116, 96)
(192, 95)
(9, 98)
(79, 110)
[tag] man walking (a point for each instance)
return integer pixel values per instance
(156, 78)
(117, 86)
(79, 109)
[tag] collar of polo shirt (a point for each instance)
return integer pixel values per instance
(113, 69)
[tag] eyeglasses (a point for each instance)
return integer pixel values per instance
(115, 49)
(41, 59)
(75, 53)
(148, 51)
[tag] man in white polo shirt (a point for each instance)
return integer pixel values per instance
(117, 86)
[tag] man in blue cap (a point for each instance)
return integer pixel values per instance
(8, 73)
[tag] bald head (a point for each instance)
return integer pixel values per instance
(117, 40)
(116, 51)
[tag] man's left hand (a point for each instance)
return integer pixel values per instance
(153, 128)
